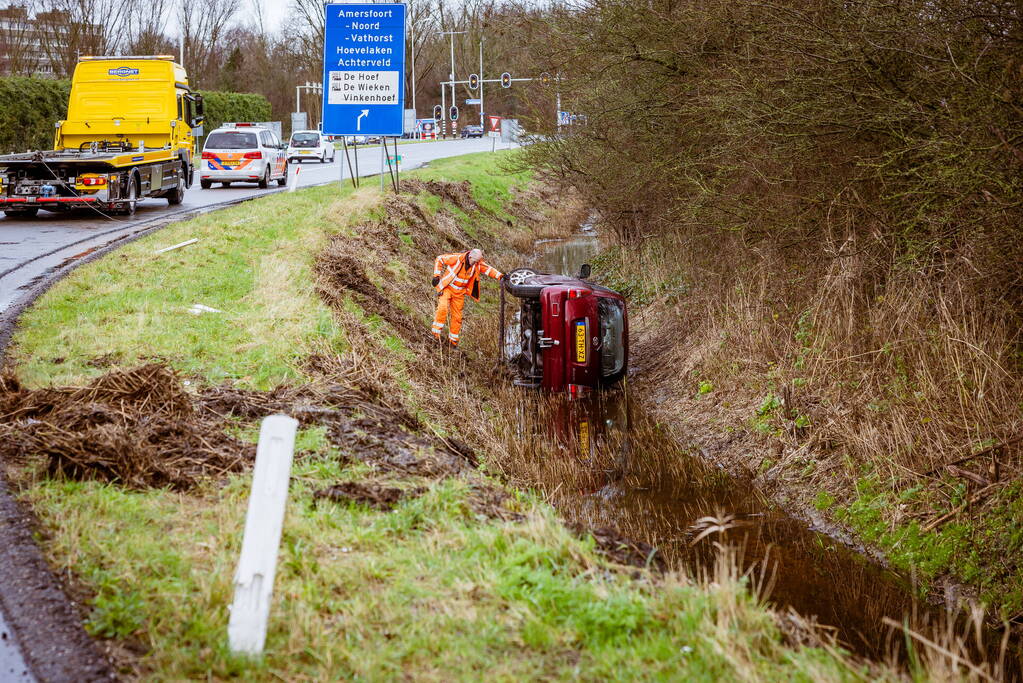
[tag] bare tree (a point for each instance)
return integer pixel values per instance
(204, 23)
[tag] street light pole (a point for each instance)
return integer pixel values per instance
(451, 77)
(412, 33)
(482, 127)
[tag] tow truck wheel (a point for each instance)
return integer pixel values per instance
(265, 182)
(177, 195)
(28, 212)
(205, 184)
(128, 206)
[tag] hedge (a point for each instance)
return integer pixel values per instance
(233, 106)
(29, 107)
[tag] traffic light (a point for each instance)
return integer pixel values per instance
(545, 79)
(506, 80)
(438, 112)
(454, 113)
(474, 81)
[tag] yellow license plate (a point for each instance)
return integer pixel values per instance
(580, 341)
(584, 437)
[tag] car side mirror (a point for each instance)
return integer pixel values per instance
(584, 271)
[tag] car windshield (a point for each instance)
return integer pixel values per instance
(231, 140)
(612, 336)
(305, 140)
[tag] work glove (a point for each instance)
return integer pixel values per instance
(435, 280)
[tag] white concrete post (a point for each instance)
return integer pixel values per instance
(294, 177)
(254, 579)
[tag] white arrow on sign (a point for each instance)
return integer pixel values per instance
(358, 121)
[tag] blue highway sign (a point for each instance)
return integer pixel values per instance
(364, 69)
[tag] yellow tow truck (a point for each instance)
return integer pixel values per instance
(130, 133)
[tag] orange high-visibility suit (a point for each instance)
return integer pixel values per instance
(454, 279)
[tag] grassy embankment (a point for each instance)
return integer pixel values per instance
(433, 589)
(843, 414)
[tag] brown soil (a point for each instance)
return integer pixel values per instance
(375, 495)
(135, 427)
(459, 194)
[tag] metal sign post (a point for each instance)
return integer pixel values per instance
(364, 70)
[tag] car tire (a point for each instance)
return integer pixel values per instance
(264, 183)
(518, 282)
(283, 180)
(27, 212)
(205, 184)
(226, 183)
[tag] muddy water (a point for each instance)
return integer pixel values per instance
(603, 463)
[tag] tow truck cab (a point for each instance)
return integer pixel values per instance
(573, 333)
(134, 100)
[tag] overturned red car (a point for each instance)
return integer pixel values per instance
(572, 334)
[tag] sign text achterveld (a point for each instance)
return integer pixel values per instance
(364, 69)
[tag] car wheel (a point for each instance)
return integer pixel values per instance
(205, 184)
(520, 282)
(226, 184)
(27, 212)
(265, 182)
(283, 180)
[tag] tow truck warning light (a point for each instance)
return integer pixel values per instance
(506, 80)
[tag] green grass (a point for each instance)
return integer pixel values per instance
(968, 549)
(431, 590)
(427, 591)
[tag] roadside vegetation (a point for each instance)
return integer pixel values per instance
(404, 555)
(817, 208)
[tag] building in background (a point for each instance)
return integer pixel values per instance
(43, 44)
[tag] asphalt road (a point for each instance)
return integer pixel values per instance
(32, 248)
(33, 253)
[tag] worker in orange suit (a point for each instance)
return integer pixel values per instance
(454, 276)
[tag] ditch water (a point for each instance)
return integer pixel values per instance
(603, 463)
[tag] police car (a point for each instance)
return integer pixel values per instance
(243, 152)
(310, 144)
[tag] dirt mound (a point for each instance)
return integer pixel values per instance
(136, 427)
(459, 194)
(374, 495)
(338, 273)
(390, 448)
